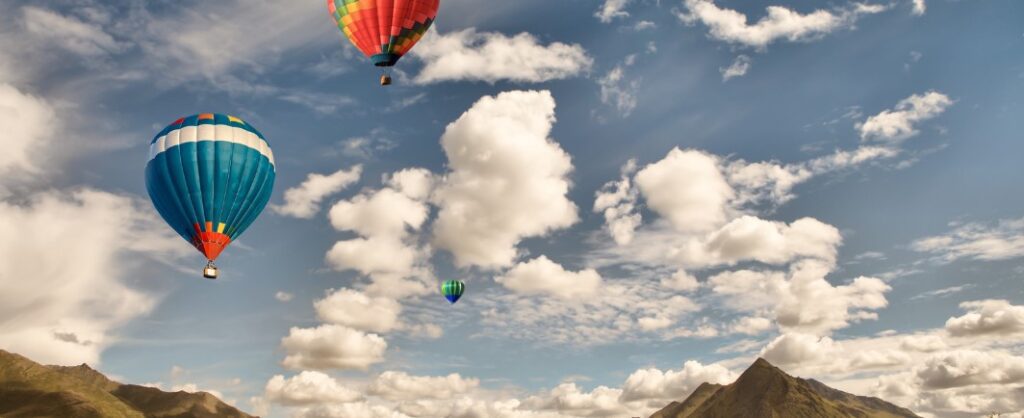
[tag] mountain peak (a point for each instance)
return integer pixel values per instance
(764, 390)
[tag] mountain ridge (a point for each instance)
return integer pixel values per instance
(29, 389)
(764, 390)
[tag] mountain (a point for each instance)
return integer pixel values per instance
(28, 389)
(766, 391)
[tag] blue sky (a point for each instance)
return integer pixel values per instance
(640, 195)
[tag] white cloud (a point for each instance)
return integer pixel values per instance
(636, 309)
(919, 7)
(322, 103)
(190, 44)
(569, 399)
(349, 410)
(416, 183)
(645, 25)
(1002, 241)
(673, 385)
(283, 296)
(491, 57)
(802, 300)
(371, 256)
(780, 23)
(617, 91)
(738, 68)
(367, 147)
(384, 213)
(688, 189)
(82, 38)
(751, 238)
(400, 386)
(194, 388)
(751, 325)
(304, 200)
(332, 347)
(356, 310)
(612, 9)
(899, 124)
(987, 317)
(68, 312)
(308, 388)
(508, 179)
(943, 292)
(388, 251)
(681, 281)
(27, 125)
(968, 368)
(798, 348)
(543, 276)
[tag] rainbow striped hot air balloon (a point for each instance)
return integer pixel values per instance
(452, 290)
(384, 30)
(209, 176)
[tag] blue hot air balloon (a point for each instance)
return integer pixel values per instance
(209, 176)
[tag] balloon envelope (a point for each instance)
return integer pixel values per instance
(209, 176)
(452, 290)
(384, 30)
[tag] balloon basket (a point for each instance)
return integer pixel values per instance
(210, 271)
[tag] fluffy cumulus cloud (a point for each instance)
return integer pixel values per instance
(688, 189)
(970, 368)
(490, 57)
(303, 201)
(332, 347)
(543, 276)
(308, 388)
(388, 221)
(508, 179)
(802, 299)
(899, 123)
(387, 213)
(1001, 241)
(672, 385)
(400, 386)
(780, 23)
(987, 317)
(355, 309)
(618, 200)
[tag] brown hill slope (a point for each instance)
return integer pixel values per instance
(764, 391)
(28, 389)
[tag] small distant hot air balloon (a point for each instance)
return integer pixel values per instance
(384, 30)
(452, 290)
(209, 176)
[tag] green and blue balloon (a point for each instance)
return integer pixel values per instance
(452, 290)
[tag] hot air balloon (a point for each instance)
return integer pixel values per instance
(452, 290)
(209, 176)
(384, 30)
